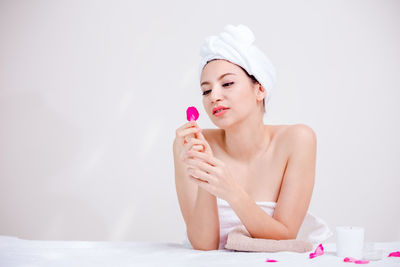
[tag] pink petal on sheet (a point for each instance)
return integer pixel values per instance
(361, 261)
(349, 259)
(318, 251)
(270, 260)
(394, 254)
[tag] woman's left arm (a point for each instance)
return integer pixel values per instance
(295, 194)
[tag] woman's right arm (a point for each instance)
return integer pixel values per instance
(198, 207)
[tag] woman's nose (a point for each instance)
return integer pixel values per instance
(215, 95)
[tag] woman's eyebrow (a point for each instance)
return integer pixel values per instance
(220, 77)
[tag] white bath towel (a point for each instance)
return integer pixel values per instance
(313, 229)
(236, 44)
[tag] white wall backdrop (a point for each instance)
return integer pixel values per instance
(91, 93)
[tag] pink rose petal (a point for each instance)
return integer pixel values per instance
(192, 113)
(361, 261)
(394, 254)
(312, 255)
(318, 251)
(349, 259)
(271, 260)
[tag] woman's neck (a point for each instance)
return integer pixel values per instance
(247, 140)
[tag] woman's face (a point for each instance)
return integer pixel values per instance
(226, 84)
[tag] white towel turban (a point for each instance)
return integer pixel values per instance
(236, 44)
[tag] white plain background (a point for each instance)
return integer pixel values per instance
(91, 93)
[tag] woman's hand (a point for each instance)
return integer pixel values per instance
(184, 136)
(212, 174)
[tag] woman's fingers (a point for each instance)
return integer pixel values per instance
(205, 157)
(186, 129)
(200, 164)
(188, 124)
(198, 147)
(199, 174)
(207, 146)
(186, 132)
(194, 144)
(203, 184)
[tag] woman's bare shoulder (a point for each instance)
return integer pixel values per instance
(300, 130)
(296, 133)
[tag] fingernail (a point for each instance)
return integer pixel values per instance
(188, 152)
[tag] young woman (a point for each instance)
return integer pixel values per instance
(241, 165)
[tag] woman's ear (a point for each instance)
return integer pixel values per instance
(260, 91)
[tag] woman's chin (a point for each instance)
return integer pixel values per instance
(222, 124)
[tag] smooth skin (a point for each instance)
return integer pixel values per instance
(242, 162)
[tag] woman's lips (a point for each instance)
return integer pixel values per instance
(222, 112)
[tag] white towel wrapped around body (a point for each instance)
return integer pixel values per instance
(313, 230)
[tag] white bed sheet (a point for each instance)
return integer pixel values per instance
(16, 252)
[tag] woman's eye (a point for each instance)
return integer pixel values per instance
(228, 84)
(224, 85)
